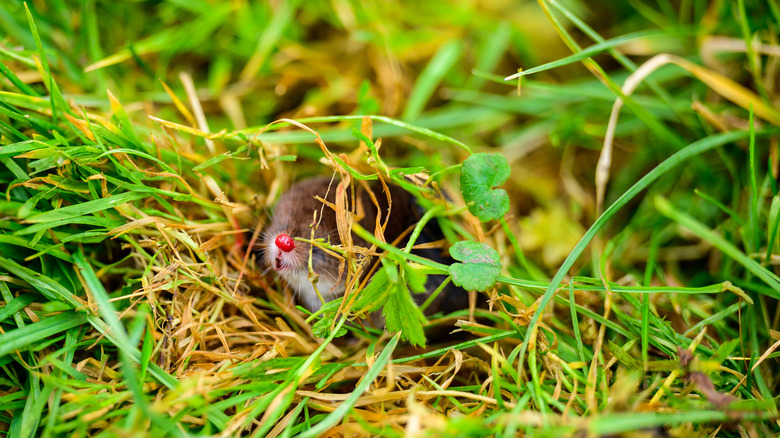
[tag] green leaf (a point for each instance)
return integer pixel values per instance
(402, 314)
(374, 295)
(390, 270)
(416, 277)
(480, 268)
(478, 177)
(322, 327)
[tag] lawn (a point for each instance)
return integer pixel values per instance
(605, 175)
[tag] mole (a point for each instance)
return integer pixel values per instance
(293, 217)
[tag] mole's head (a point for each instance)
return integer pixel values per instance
(289, 259)
(283, 254)
(283, 247)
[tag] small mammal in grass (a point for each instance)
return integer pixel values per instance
(293, 217)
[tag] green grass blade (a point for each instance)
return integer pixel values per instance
(588, 52)
(13, 306)
(57, 99)
(269, 37)
(32, 333)
(754, 193)
(83, 209)
(675, 160)
(431, 77)
(334, 417)
(699, 229)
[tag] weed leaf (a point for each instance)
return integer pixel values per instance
(322, 327)
(401, 314)
(374, 295)
(400, 311)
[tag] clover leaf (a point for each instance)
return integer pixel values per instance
(478, 177)
(480, 268)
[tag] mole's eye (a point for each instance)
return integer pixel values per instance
(284, 242)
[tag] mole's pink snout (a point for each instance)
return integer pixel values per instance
(284, 242)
